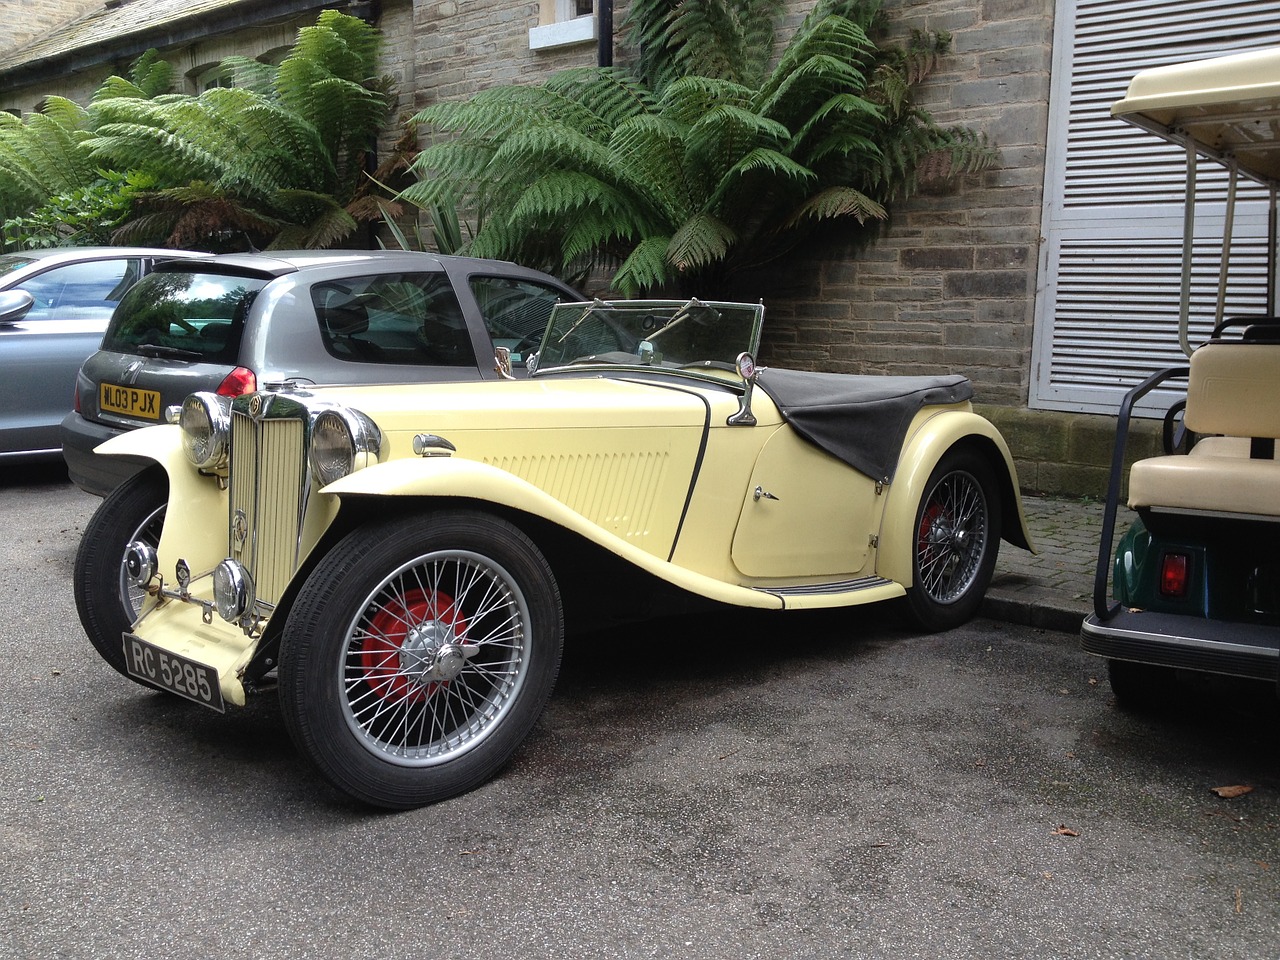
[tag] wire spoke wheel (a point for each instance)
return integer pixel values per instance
(952, 537)
(419, 654)
(956, 539)
(148, 532)
(434, 658)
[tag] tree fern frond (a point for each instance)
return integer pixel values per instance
(701, 240)
(645, 267)
(836, 202)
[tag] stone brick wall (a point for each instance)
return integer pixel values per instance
(464, 46)
(949, 285)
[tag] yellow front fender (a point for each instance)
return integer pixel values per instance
(928, 442)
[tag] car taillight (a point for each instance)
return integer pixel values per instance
(237, 383)
(75, 398)
(1174, 568)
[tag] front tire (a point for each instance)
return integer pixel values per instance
(419, 654)
(106, 601)
(956, 540)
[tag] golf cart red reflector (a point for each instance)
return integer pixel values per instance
(1173, 575)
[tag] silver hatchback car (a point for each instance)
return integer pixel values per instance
(56, 305)
(232, 323)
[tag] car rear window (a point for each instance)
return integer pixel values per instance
(394, 318)
(195, 316)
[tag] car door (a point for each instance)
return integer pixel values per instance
(41, 352)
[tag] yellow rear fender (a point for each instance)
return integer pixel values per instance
(931, 437)
(448, 477)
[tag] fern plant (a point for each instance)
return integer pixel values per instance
(705, 163)
(278, 158)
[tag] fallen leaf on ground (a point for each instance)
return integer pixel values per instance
(1230, 793)
(1065, 831)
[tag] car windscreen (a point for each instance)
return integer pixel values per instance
(393, 318)
(664, 333)
(183, 316)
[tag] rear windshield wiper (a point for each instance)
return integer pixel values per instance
(168, 353)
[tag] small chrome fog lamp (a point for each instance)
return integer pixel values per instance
(140, 562)
(206, 429)
(232, 590)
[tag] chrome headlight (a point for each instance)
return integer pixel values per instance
(206, 429)
(342, 441)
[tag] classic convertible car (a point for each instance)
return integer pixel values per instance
(401, 560)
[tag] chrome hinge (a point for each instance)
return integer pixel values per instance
(873, 541)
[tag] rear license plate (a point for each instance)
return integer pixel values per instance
(130, 401)
(187, 678)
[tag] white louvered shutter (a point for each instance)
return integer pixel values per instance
(1107, 309)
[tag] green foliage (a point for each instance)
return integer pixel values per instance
(84, 216)
(708, 161)
(277, 160)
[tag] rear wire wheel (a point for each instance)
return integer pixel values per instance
(956, 540)
(419, 654)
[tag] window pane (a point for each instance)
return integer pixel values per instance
(410, 318)
(80, 291)
(515, 312)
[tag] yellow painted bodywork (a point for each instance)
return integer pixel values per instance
(649, 471)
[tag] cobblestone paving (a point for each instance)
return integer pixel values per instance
(1053, 588)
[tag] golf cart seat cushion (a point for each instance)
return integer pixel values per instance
(1219, 479)
(1233, 390)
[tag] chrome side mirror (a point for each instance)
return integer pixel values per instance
(748, 371)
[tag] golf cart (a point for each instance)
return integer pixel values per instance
(1196, 578)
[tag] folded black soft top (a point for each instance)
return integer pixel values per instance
(862, 420)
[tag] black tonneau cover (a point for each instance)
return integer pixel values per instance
(862, 420)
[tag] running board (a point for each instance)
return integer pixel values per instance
(839, 593)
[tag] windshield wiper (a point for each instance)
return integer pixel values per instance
(595, 305)
(167, 353)
(683, 314)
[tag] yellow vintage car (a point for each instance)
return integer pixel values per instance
(402, 561)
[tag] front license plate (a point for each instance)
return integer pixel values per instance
(187, 678)
(130, 401)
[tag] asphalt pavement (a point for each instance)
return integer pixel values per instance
(743, 784)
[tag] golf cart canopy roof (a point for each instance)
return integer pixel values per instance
(1227, 107)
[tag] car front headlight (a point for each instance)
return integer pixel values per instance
(342, 441)
(206, 429)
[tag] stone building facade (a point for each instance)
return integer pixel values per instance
(949, 285)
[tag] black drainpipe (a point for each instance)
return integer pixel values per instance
(604, 30)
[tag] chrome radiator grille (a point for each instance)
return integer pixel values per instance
(268, 496)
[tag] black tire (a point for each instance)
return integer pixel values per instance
(419, 654)
(1141, 687)
(107, 604)
(956, 538)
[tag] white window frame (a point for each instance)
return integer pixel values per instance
(1110, 263)
(560, 25)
